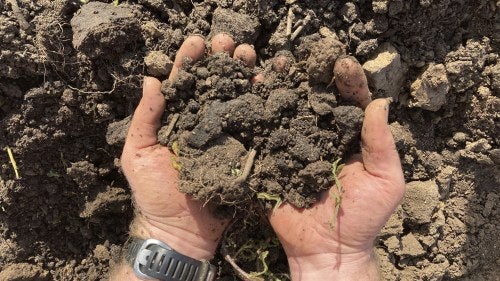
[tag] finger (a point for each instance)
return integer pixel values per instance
(246, 54)
(192, 48)
(380, 156)
(146, 120)
(223, 43)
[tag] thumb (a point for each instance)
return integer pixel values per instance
(380, 157)
(147, 116)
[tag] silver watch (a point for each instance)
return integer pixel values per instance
(153, 259)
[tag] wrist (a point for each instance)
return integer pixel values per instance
(179, 239)
(360, 266)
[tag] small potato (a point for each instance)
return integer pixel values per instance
(281, 63)
(351, 81)
(246, 54)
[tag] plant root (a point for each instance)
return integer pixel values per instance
(247, 169)
(171, 125)
(243, 275)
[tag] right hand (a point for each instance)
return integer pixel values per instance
(373, 186)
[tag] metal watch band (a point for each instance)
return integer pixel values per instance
(153, 259)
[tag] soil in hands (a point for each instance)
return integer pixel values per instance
(69, 85)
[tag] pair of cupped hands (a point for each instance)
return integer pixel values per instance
(373, 186)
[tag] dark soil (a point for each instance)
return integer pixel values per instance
(71, 77)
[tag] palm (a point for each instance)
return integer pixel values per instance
(373, 185)
(161, 202)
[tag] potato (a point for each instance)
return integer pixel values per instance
(351, 81)
(246, 54)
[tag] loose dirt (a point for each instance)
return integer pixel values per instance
(70, 77)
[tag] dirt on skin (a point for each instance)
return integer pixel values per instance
(69, 85)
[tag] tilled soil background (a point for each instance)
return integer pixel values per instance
(70, 76)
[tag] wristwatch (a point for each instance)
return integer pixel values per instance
(153, 259)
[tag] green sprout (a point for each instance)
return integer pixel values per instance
(13, 162)
(116, 2)
(176, 149)
(236, 172)
(175, 163)
(271, 197)
(337, 196)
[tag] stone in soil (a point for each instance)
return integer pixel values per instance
(385, 72)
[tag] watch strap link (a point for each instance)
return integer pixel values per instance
(154, 259)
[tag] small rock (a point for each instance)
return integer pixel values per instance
(420, 201)
(243, 28)
(410, 247)
(158, 64)
(480, 146)
(385, 72)
(430, 89)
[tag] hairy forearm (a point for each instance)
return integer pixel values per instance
(363, 267)
(123, 272)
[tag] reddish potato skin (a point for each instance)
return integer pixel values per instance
(246, 54)
(281, 63)
(351, 81)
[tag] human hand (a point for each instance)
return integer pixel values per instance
(373, 185)
(163, 212)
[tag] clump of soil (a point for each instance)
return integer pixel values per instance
(222, 118)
